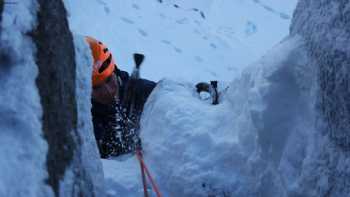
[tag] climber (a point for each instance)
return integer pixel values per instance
(115, 131)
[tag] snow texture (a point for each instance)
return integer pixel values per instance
(179, 43)
(325, 27)
(122, 176)
(243, 147)
(89, 152)
(87, 157)
(23, 149)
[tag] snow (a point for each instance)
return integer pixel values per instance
(257, 24)
(326, 167)
(196, 149)
(178, 43)
(88, 157)
(123, 176)
(191, 147)
(23, 149)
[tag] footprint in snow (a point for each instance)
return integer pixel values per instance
(202, 14)
(182, 21)
(178, 50)
(166, 42)
(126, 20)
(105, 7)
(142, 32)
(198, 59)
(107, 10)
(269, 8)
(212, 45)
(135, 6)
(250, 28)
(284, 16)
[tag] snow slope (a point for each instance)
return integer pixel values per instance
(177, 40)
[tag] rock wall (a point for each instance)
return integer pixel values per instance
(325, 26)
(57, 86)
(23, 150)
(56, 83)
(47, 142)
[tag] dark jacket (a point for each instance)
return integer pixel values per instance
(115, 126)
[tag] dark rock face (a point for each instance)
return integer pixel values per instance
(57, 85)
(325, 25)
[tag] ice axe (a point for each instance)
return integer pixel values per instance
(138, 59)
(131, 86)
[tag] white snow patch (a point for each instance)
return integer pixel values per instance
(178, 43)
(90, 157)
(23, 149)
(87, 158)
(123, 176)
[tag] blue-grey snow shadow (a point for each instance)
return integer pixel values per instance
(283, 104)
(126, 20)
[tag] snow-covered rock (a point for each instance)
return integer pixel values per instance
(47, 143)
(325, 25)
(23, 149)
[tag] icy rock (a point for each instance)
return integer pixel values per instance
(325, 26)
(23, 149)
(73, 162)
(47, 143)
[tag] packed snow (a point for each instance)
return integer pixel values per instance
(23, 149)
(235, 148)
(89, 158)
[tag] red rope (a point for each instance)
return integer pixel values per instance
(144, 181)
(143, 170)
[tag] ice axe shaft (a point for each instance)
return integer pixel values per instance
(131, 86)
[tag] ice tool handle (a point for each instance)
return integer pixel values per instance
(215, 94)
(138, 59)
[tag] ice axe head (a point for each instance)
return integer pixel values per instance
(138, 58)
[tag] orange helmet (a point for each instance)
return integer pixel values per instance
(103, 62)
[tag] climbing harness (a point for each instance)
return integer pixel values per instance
(145, 172)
